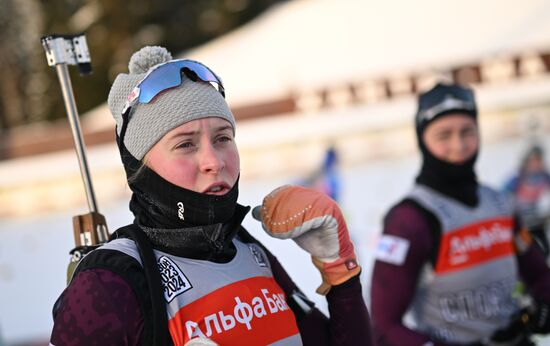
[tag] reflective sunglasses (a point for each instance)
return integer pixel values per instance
(165, 76)
(442, 99)
(447, 104)
(169, 75)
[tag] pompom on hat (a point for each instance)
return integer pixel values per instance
(149, 122)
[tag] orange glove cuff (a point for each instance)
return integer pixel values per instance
(336, 273)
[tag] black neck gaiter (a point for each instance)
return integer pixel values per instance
(456, 181)
(160, 204)
(209, 242)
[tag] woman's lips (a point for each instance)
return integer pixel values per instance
(217, 189)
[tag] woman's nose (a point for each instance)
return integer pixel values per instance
(458, 145)
(210, 159)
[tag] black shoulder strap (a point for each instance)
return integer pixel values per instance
(161, 336)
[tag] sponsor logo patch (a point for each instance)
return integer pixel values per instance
(475, 244)
(174, 281)
(181, 210)
(253, 311)
(392, 249)
(258, 255)
(351, 264)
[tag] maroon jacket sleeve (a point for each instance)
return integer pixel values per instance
(393, 286)
(349, 318)
(98, 305)
(534, 271)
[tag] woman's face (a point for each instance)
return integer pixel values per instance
(452, 138)
(200, 155)
(534, 164)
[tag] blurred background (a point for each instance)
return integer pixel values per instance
(323, 91)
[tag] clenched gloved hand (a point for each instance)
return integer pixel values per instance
(538, 318)
(515, 334)
(315, 222)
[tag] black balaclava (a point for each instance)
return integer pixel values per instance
(457, 181)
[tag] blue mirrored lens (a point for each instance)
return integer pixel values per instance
(169, 76)
(164, 77)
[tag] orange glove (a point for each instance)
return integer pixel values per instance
(315, 222)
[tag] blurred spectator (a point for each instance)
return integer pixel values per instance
(530, 192)
(326, 178)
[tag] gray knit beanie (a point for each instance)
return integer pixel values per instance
(149, 122)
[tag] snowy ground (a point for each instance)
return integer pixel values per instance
(33, 252)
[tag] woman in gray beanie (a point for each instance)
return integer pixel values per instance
(186, 270)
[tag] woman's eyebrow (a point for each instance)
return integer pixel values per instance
(192, 133)
(182, 134)
(442, 132)
(223, 128)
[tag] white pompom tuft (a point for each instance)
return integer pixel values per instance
(147, 57)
